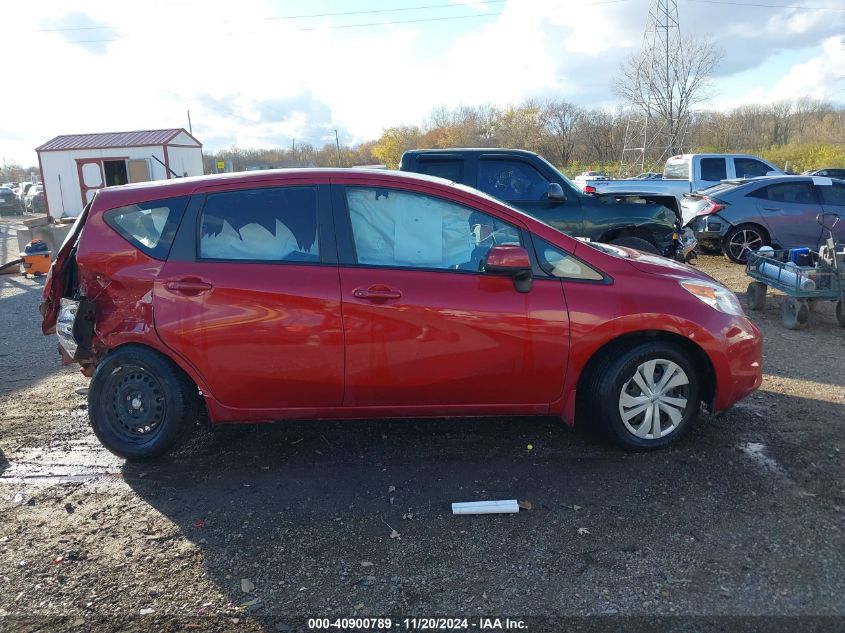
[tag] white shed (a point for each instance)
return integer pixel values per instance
(75, 166)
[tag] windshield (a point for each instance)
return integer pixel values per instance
(572, 186)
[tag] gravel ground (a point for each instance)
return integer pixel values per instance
(257, 528)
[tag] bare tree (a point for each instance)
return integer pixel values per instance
(664, 85)
(560, 120)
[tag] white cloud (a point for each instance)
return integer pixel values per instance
(821, 77)
(254, 81)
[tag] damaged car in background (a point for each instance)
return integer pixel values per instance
(650, 223)
(740, 216)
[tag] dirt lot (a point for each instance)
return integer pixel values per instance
(257, 528)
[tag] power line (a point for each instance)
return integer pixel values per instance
(315, 15)
(767, 6)
(362, 25)
(450, 5)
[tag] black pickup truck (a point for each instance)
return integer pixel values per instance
(529, 182)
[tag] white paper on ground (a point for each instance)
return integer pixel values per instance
(510, 506)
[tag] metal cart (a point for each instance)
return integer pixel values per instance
(803, 284)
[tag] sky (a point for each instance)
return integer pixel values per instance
(261, 73)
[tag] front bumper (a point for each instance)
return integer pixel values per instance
(679, 246)
(739, 370)
(687, 243)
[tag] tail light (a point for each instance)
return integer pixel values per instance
(589, 189)
(712, 206)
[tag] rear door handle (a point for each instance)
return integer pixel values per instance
(376, 293)
(188, 286)
(771, 208)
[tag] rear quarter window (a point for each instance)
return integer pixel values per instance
(149, 226)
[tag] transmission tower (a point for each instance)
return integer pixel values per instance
(653, 130)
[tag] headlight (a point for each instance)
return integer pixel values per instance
(716, 296)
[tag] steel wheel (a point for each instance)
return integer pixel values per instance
(794, 313)
(140, 403)
(755, 295)
(741, 240)
(654, 400)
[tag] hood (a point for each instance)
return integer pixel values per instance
(657, 265)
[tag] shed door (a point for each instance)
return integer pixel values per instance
(91, 178)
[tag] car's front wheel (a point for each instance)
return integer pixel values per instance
(139, 403)
(647, 396)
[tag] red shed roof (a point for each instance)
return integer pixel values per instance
(106, 140)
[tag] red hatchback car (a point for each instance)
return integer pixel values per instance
(353, 293)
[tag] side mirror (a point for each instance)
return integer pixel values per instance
(512, 261)
(556, 192)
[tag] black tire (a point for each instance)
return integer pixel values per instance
(742, 238)
(755, 295)
(794, 313)
(840, 313)
(637, 243)
(140, 404)
(710, 248)
(615, 374)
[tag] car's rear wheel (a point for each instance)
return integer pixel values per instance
(647, 396)
(140, 404)
(638, 243)
(741, 240)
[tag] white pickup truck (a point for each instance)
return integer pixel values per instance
(687, 173)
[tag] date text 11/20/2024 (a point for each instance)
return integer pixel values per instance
(418, 624)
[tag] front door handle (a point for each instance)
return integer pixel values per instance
(376, 293)
(187, 286)
(772, 208)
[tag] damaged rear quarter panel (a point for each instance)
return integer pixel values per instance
(119, 279)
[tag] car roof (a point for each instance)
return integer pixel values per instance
(121, 195)
(471, 150)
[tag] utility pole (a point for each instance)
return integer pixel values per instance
(337, 145)
(651, 136)
(190, 127)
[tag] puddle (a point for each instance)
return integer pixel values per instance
(76, 461)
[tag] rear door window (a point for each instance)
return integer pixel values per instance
(266, 225)
(448, 168)
(788, 192)
(511, 180)
(750, 168)
(149, 226)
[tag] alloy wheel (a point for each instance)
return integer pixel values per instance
(744, 241)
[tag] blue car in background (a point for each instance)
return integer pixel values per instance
(737, 216)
